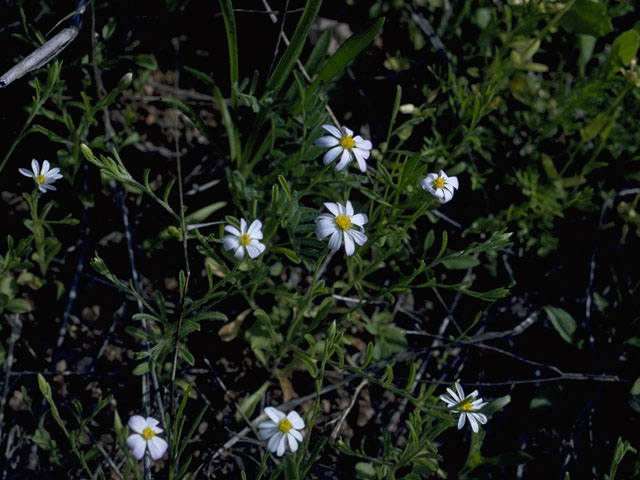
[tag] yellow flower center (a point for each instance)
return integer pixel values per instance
(285, 425)
(148, 434)
(438, 183)
(343, 222)
(466, 406)
(40, 179)
(347, 142)
(244, 239)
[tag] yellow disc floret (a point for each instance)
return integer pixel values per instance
(285, 425)
(438, 183)
(466, 406)
(244, 239)
(148, 433)
(343, 222)
(40, 179)
(347, 142)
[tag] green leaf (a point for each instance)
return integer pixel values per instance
(249, 404)
(461, 262)
(587, 17)
(635, 389)
(621, 450)
(308, 363)
(291, 54)
(141, 369)
(349, 50)
(191, 114)
(624, 49)
(18, 305)
(232, 38)
(564, 323)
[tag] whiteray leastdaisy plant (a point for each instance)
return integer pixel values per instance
(440, 185)
(342, 143)
(466, 405)
(244, 240)
(281, 430)
(43, 178)
(145, 437)
(339, 226)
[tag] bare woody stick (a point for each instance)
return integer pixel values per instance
(47, 52)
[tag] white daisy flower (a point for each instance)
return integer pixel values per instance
(440, 186)
(146, 436)
(339, 224)
(344, 144)
(466, 406)
(243, 240)
(43, 178)
(281, 430)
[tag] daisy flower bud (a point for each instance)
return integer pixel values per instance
(281, 430)
(342, 143)
(43, 178)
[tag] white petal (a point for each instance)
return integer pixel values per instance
(480, 417)
(323, 230)
(53, 172)
(349, 247)
(331, 155)
(333, 208)
(446, 196)
(137, 444)
(152, 422)
(453, 181)
(243, 225)
(344, 160)
(332, 130)
(281, 445)
(347, 131)
(26, 172)
(255, 248)
(454, 395)
(461, 421)
(239, 253)
(363, 144)
(358, 237)
(267, 424)
(359, 219)
(157, 447)
(349, 209)
(255, 230)
(335, 240)
(362, 165)
(45, 167)
(275, 441)
(441, 174)
(473, 423)
(473, 394)
(274, 414)
(296, 420)
(43, 188)
(447, 400)
(47, 186)
(296, 434)
(35, 166)
(137, 423)
(293, 444)
(265, 433)
(327, 141)
(460, 391)
(230, 242)
(232, 230)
